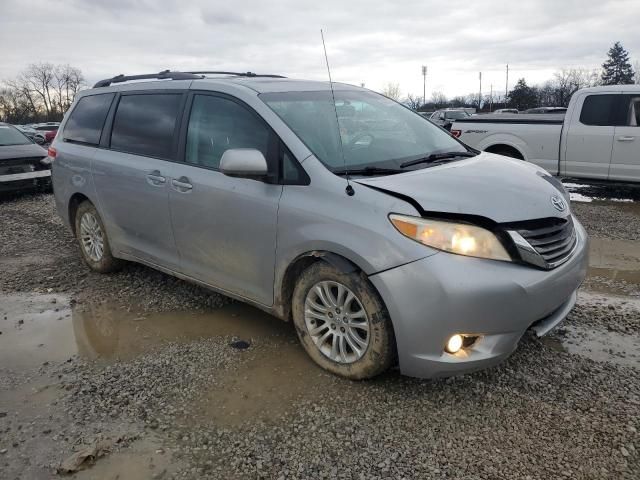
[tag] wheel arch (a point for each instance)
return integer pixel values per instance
(284, 288)
(500, 148)
(74, 202)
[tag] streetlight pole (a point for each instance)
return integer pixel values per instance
(424, 85)
(506, 88)
(480, 96)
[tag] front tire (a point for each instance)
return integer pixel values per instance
(92, 239)
(342, 323)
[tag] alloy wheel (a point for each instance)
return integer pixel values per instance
(336, 322)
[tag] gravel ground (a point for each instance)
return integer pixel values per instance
(40, 255)
(543, 413)
(619, 221)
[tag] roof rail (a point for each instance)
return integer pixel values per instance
(237, 74)
(164, 75)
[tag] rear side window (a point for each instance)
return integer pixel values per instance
(145, 124)
(87, 119)
(603, 110)
(216, 125)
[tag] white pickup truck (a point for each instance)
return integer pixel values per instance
(597, 138)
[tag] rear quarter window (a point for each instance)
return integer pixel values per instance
(87, 119)
(603, 110)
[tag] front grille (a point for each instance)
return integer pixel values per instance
(553, 239)
(20, 165)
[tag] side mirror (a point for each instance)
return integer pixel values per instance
(244, 163)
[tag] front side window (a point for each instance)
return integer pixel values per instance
(87, 119)
(12, 136)
(144, 124)
(371, 130)
(217, 124)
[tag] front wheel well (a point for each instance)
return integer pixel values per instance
(506, 150)
(299, 265)
(74, 202)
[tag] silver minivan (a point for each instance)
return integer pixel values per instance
(384, 239)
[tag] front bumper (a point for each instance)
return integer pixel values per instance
(431, 299)
(25, 180)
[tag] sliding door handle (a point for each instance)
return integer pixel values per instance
(182, 184)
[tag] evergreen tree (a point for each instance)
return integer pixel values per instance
(523, 96)
(617, 70)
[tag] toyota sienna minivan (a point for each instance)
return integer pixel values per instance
(384, 239)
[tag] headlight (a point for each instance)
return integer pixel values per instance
(451, 237)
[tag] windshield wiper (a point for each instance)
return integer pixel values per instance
(434, 157)
(367, 171)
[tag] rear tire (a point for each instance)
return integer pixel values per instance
(342, 323)
(92, 239)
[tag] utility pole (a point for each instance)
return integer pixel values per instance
(480, 96)
(491, 100)
(506, 88)
(424, 85)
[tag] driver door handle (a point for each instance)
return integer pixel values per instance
(182, 185)
(626, 138)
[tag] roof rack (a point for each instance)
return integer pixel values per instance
(164, 75)
(169, 75)
(238, 74)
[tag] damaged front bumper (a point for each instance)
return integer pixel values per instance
(492, 302)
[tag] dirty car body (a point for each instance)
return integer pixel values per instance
(361, 195)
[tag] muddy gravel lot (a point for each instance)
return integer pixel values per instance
(138, 375)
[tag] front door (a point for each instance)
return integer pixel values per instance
(589, 138)
(625, 161)
(225, 228)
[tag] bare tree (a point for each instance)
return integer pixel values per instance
(439, 100)
(392, 90)
(41, 91)
(414, 102)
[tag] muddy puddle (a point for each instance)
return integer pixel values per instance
(597, 344)
(44, 328)
(614, 266)
(266, 386)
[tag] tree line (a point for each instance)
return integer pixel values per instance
(556, 92)
(40, 93)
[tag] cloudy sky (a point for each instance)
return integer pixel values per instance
(368, 41)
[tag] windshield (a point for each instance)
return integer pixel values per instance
(12, 136)
(374, 131)
(457, 115)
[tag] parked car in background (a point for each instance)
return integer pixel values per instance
(506, 110)
(597, 138)
(26, 130)
(23, 164)
(383, 239)
(445, 117)
(45, 132)
(543, 110)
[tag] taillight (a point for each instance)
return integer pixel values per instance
(51, 152)
(456, 133)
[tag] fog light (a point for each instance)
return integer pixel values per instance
(454, 343)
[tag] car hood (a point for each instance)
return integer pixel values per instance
(21, 151)
(491, 186)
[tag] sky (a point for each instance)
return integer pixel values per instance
(373, 42)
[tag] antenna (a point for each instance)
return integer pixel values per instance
(350, 191)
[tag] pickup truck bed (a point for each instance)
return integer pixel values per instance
(597, 138)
